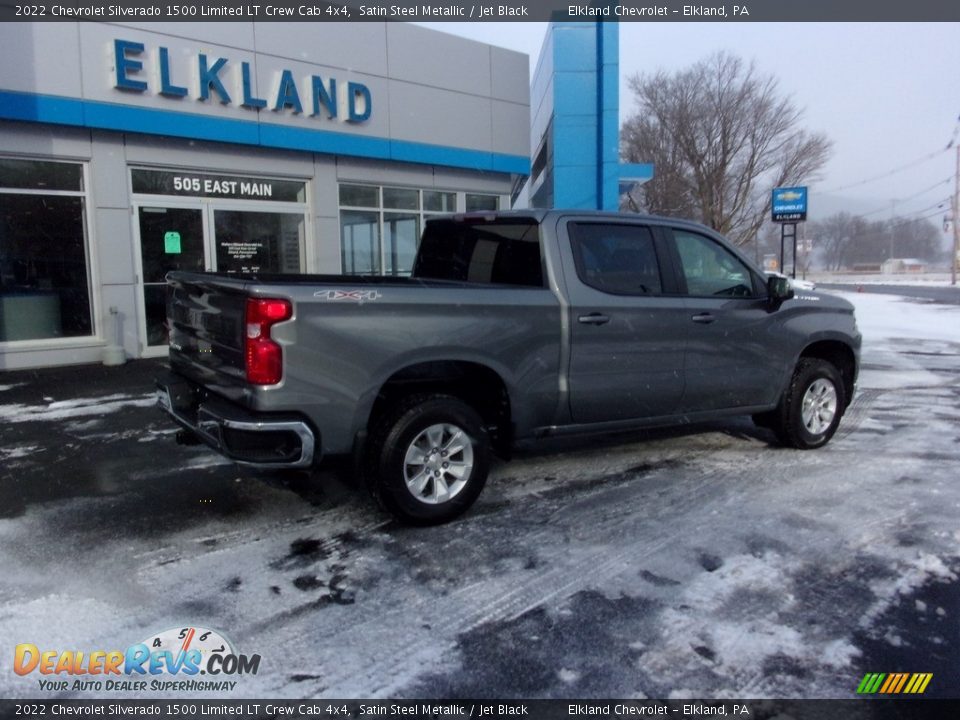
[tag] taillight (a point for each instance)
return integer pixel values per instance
(264, 356)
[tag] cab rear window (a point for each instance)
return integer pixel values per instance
(504, 253)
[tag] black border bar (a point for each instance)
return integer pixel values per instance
(480, 10)
(459, 709)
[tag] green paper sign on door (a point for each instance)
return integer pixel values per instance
(171, 243)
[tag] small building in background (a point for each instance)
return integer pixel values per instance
(899, 266)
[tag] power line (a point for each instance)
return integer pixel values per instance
(909, 198)
(907, 219)
(904, 220)
(926, 190)
(894, 171)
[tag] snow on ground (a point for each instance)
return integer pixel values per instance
(699, 562)
(12, 453)
(903, 335)
(890, 318)
(921, 279)
(81, 407)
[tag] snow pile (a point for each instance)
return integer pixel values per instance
(18, 452)
(81, 407)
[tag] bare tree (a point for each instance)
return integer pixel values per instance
(847, 240)
(835, 235)
(721, 138)
(916, 238)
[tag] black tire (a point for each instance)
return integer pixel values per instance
(819, 384)
(413, 492)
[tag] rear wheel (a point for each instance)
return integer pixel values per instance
(809, 412)
(428, 459)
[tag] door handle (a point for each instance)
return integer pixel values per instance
(703, 318)
(594, 319)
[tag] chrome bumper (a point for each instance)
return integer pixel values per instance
(236, 433)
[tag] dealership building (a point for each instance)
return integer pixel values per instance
(129, 150)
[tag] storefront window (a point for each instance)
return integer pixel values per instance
(253, 242)
(383, 239)
(401, 233)
(44, 278)
(360, 235)
(475, 202)
(439, 202)
(360, 195)
(401, 198)
(39, 175)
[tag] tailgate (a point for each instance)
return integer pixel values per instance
(206, 315)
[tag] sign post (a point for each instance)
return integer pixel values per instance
(788, 207)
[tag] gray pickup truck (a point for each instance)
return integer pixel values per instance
(513, 326)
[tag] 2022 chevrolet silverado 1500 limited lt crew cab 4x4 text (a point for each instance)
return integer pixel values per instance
(513, 326)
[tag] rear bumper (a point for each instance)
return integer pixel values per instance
(260, 440)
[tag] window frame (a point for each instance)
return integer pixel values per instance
(381, 210)
(664, 267)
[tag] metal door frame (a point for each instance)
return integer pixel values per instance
(166, 202)
(207, 207)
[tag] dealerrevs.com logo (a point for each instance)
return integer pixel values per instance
(180, 659)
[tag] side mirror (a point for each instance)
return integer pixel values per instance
(779, 288)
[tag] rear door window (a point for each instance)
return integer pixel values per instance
(618, 259)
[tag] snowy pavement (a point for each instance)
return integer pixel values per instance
(701, 562)
(930, 279)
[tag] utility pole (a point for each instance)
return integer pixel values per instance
(893, 227)
(956, 225)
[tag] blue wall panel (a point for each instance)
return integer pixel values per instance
(582, 61)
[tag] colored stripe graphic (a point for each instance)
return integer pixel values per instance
(870, 683)
(894, 683)
(918, 683)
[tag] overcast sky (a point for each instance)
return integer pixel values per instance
(887, 94)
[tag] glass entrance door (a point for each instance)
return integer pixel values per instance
(171, 238)
(204, 221)
(210, 236)
(257, 241)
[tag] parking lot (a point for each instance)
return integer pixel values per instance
(700, 562)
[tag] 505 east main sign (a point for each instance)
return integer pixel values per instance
(209, 78)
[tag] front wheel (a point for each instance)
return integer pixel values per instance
(812, 405)
(428, 459)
